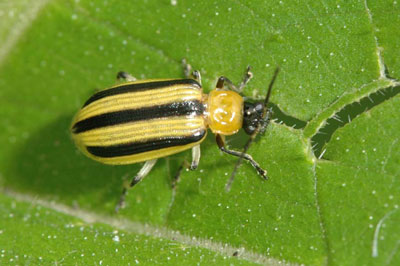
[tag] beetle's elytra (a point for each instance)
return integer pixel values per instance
(141, 121)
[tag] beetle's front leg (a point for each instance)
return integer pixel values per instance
(222, 80)
(221, 144)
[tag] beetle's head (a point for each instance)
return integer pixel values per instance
(254, 116)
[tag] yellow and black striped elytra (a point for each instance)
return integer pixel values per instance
(141, 121)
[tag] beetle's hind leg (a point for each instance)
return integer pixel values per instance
(125, 76)
(187, 70)
(142, 173)
(177, 177)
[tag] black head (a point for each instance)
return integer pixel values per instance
(254, 116)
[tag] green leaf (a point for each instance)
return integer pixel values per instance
(340, 208)
(33, 234)
(360, 177)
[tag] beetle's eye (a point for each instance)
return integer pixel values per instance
(259, 107)
(251, 129)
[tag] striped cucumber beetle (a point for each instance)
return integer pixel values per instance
(141, 121)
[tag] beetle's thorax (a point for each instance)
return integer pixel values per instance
(224, 111)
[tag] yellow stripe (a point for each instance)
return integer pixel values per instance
(136, 100)
(141, 81)
(141, 131)
(145, 156)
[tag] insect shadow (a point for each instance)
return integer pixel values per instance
(49, 165)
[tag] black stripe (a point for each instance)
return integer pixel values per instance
(140, 147)
(145, 113)
(139, 87)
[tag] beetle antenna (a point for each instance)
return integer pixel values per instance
(271, 84)
(254, 135)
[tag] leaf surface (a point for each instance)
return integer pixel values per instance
(339, 208)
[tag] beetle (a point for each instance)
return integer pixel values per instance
(141, 121)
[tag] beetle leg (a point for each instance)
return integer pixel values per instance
(195, 157)
(185, 164)
(196, 75)
(221, 144)
(222, 80)
(125, 76)
(247, 76)
(139, 176)
(177, 177)
(143, 172)
(187, 70)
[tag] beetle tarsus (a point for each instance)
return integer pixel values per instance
(135, 181)
(247, 76)
(197, 76)
(187, 70)
(121, 202)
(125, 76)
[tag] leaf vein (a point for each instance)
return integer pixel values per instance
(144, 229)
